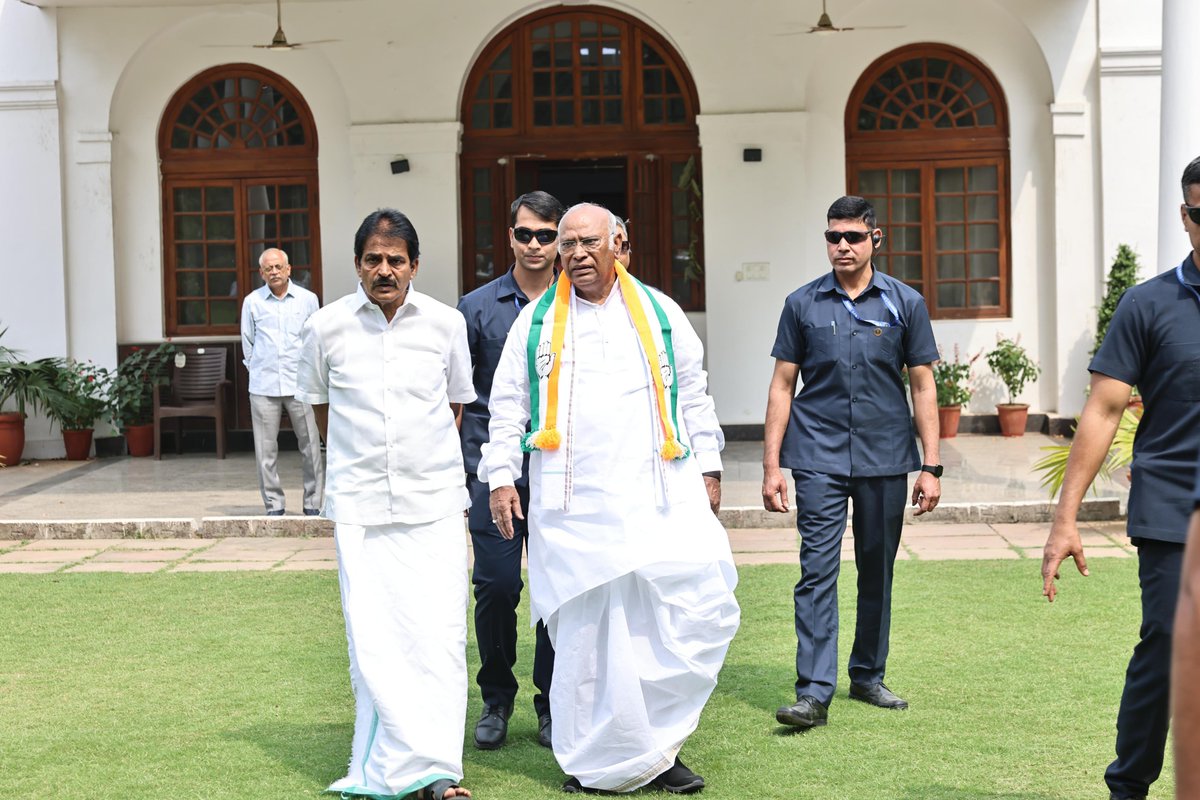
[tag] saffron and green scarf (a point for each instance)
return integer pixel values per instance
(545, 354)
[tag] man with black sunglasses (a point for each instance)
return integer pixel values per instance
(848, 435)
(490, 311)
(1153, 342)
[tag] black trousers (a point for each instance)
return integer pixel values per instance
(821, 521)
(498, 584)
(1145, 711)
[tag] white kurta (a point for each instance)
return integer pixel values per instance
(396, 490)
(615, 545)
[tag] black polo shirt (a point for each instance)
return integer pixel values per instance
(1153, 343)
(490, 311)
(852, 416)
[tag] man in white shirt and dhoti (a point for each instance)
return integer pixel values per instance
(382, 368)
(629, 568)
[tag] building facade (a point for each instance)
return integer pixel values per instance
(150, 150)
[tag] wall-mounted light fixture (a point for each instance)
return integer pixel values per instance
(399, 165)
(752, 154)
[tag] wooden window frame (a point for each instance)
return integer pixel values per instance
(927, 149)
(633, 139)
(236, 166)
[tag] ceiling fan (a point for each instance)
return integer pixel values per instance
(280, 41)
(825, 25)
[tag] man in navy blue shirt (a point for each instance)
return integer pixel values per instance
(490, 311)
(1153, 342)
(848, 434)
(1185, 663)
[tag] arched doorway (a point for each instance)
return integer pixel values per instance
(927, 144)
(587, 104)
(238, 151)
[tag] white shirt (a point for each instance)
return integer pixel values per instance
(614, 522)
(271, 337)
(393, 452)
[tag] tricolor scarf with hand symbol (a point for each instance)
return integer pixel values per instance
(546, 337)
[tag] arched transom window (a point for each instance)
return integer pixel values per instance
(927, 144)
(239, 164)
(587, 104)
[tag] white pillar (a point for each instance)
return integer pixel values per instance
(1077, 273)
(1179, 123)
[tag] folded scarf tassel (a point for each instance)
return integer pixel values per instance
(541, 440)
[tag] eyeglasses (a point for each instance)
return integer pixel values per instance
(591, 244)
(543, 235)
(851, 237)
(1194, 213)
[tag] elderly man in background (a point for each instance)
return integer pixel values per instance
(383, 368)
(629, 568)
(272, 317)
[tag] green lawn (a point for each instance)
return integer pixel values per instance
(235, 686)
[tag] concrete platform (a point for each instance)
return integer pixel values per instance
(989, 481)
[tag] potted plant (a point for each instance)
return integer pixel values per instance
(952, 380)
(1015, 369)
(82, 399)
(24, 386)
(131, 392)
(1053, 465)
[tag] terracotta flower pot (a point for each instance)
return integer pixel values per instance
(1012, 418)
(78, 444)
(12, 438)
(948, 421)
(139, 439)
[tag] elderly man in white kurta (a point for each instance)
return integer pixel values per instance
(382, 367)
(629, 567)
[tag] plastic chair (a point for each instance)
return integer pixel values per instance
(197, 389)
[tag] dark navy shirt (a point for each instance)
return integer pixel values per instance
(1153, 342)
(852, 417)
(490, 311)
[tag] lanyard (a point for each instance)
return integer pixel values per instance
(517, 303)
(891, 307)
(1185, 284)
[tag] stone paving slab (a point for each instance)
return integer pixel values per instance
(30, 568)
(138, 556)
(25, 555)
(129, 567)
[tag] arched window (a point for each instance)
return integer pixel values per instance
(239, 163)
(927, 144)
(586, 104)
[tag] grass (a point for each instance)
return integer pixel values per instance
(235, 686)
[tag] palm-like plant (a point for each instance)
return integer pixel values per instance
(1053, 466)
(27, 385)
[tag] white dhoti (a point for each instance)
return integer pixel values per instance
(404, 598)
(635, 660)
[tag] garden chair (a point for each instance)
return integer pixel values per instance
(197, 389)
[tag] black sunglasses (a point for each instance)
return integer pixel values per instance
(543, 235)
(851, 237)
(1194, 213)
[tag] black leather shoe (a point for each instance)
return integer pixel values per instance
(808, 712)
(492, 728)
(544, 731)
(573, 786)
(877, 695)
(276, 513)
(678, 780)
(312, 512)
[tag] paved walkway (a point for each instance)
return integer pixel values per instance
(195, 513)
(289, 554)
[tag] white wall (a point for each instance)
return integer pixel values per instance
(32, 305)
(393, 88)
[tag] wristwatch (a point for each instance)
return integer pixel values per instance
(935, 470)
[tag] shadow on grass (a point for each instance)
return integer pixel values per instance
(318, 753)
(942, 792)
